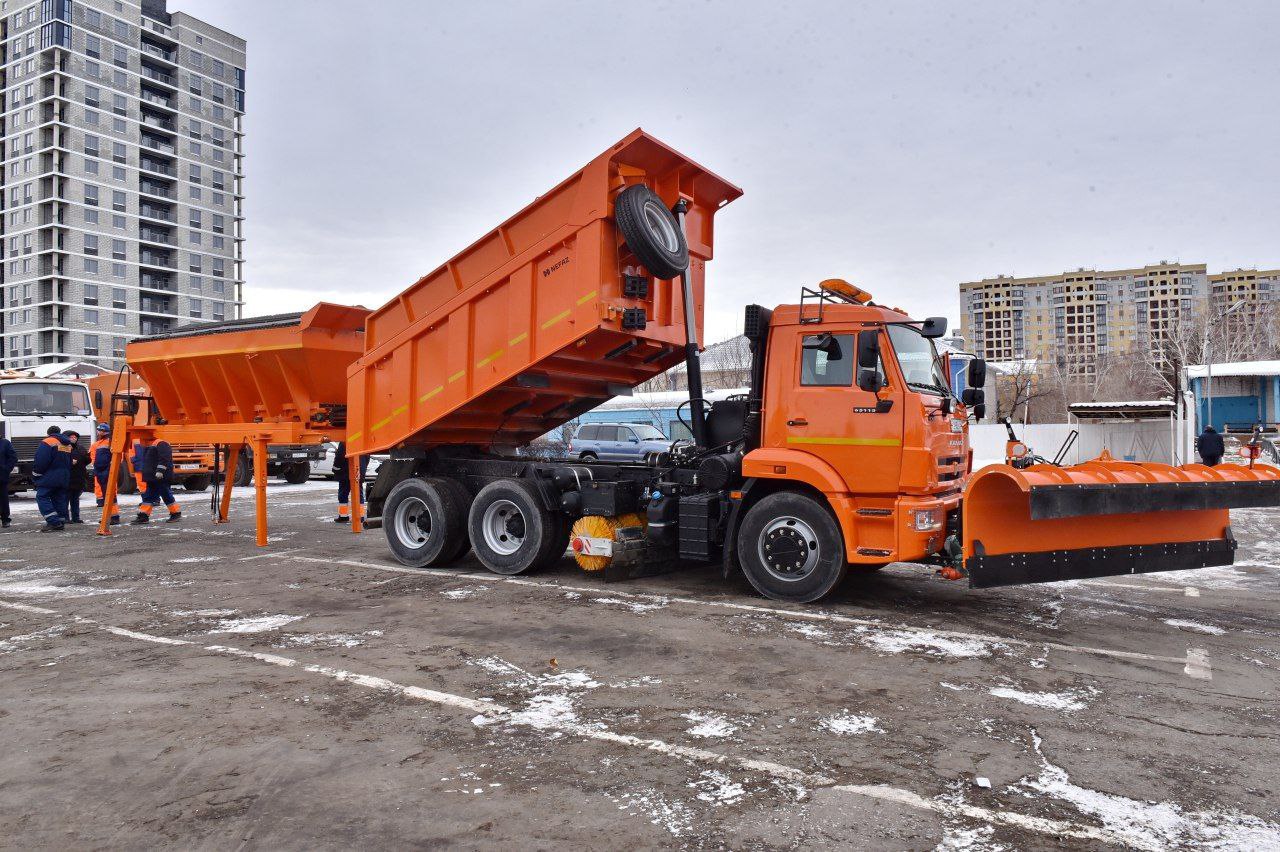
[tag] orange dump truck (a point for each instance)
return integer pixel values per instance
(848, 451)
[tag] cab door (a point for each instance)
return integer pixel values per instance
(825, 413)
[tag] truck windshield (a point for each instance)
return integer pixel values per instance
(648, 433)
(43, 398)
(919, 360)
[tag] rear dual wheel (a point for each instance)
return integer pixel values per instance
(424, 521)
(512, 532)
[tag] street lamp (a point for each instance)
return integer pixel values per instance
(1208, 361)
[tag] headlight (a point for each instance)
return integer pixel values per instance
(924, 520)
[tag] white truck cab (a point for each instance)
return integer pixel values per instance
(29, 406)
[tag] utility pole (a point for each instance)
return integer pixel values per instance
(1208, 362)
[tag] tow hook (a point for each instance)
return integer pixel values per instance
(955, 554)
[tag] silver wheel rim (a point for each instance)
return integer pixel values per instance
(789, 549)
(496, 525)
(661, 227)
(412, 522)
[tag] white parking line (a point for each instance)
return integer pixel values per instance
(754, 608)
(494, 713)
(1188, 591)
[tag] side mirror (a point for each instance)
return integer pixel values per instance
(633, 439)
(868, 349)
(869, 379)
(973, 396)
(933, 327)
(825, 343)
(980, 411)
(977, 375)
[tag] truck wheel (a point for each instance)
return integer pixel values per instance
(791, 548)
(127, 484)
(651, 231)
(197, 483)
(588, 457)
(244, 471)
(424, 522)
(297, 473)
(511, 531)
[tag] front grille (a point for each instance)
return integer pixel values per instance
(26, 448)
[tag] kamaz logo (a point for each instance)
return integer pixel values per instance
(564, 261)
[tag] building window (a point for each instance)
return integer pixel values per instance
(119, 297)
(90, 243)
(117, 200)
(90, 265)
(91, 340)
(117, 347)
(91, 145)
(118, 152)
(197, 308)
(91, 195)
(195, 263)
(118, 270)
(117, 249)
(119, 104)
(91, 96)
(90, 316)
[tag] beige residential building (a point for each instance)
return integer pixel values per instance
(1076, 319)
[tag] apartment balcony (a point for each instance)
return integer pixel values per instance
(148, 211)
(49, 266)
(150, 235)
(170, 56)
(152, 281)
(159, 76)
(158, 122)
(52, 214)
(50, 242)
(52, 317)
(151, 305)
(157, 99)
(162, 260)
(158, 168)
(157, 190)
(155, 144)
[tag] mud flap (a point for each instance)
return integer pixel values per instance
(1104, 518)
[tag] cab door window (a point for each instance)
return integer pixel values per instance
(828, 366)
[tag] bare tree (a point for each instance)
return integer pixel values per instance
(1018, 385)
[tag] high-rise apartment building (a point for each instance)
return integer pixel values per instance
(122, 183)
(1077, 319)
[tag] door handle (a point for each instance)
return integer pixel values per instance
(799, 422)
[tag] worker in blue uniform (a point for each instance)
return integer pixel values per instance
(52, 472)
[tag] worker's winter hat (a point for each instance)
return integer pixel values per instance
(53, 430)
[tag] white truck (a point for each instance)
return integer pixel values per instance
(29, 406)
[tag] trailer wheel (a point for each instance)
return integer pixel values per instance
(244, 471)
(511, 531)
(791, 548)
(297, 473)
(423, 522)
(127, 484)
(651, 231)
(197, 483)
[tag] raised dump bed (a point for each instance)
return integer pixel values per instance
(542, 319)
(285, 369)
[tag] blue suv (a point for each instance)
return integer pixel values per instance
(617, 442)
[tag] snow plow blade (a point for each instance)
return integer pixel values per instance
(1104, 518)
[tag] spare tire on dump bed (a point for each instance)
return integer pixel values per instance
(651, 231)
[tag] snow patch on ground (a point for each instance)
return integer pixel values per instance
(190, 559)
(1195, 626)
(809, 631)
(897, 641)
(13, 643)
(204, 613)
(255, 623)
(323, 640)
(1153, 825)
(709, 725)
(45, 582)
(464, 593)
(844, 722)
(955, 839)
(716, 788)
(1068, 701)
(647, 803)
(634, 606)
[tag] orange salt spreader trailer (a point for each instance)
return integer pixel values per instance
(848, 450)
(254, 382)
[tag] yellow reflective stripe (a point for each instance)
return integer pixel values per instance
(519, 337)
(355, 437)
(401, 410)
(848, 442)
(587, 298)
(489, 359)
(555, 319)
(426, 396)
(457, 375)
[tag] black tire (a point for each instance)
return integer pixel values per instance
(424, 522)
(297, 473)
(588, 457)
(791, 548)
(197, 483)
(127, 484)
(651, 230)
(511, 531)
(244, 472)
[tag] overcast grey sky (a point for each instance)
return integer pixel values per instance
(904, 146)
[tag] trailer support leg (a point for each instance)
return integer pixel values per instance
(260, 487)
(233, 463)
(357, 505)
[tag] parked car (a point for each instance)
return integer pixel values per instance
(617, 441)
(322, 468)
